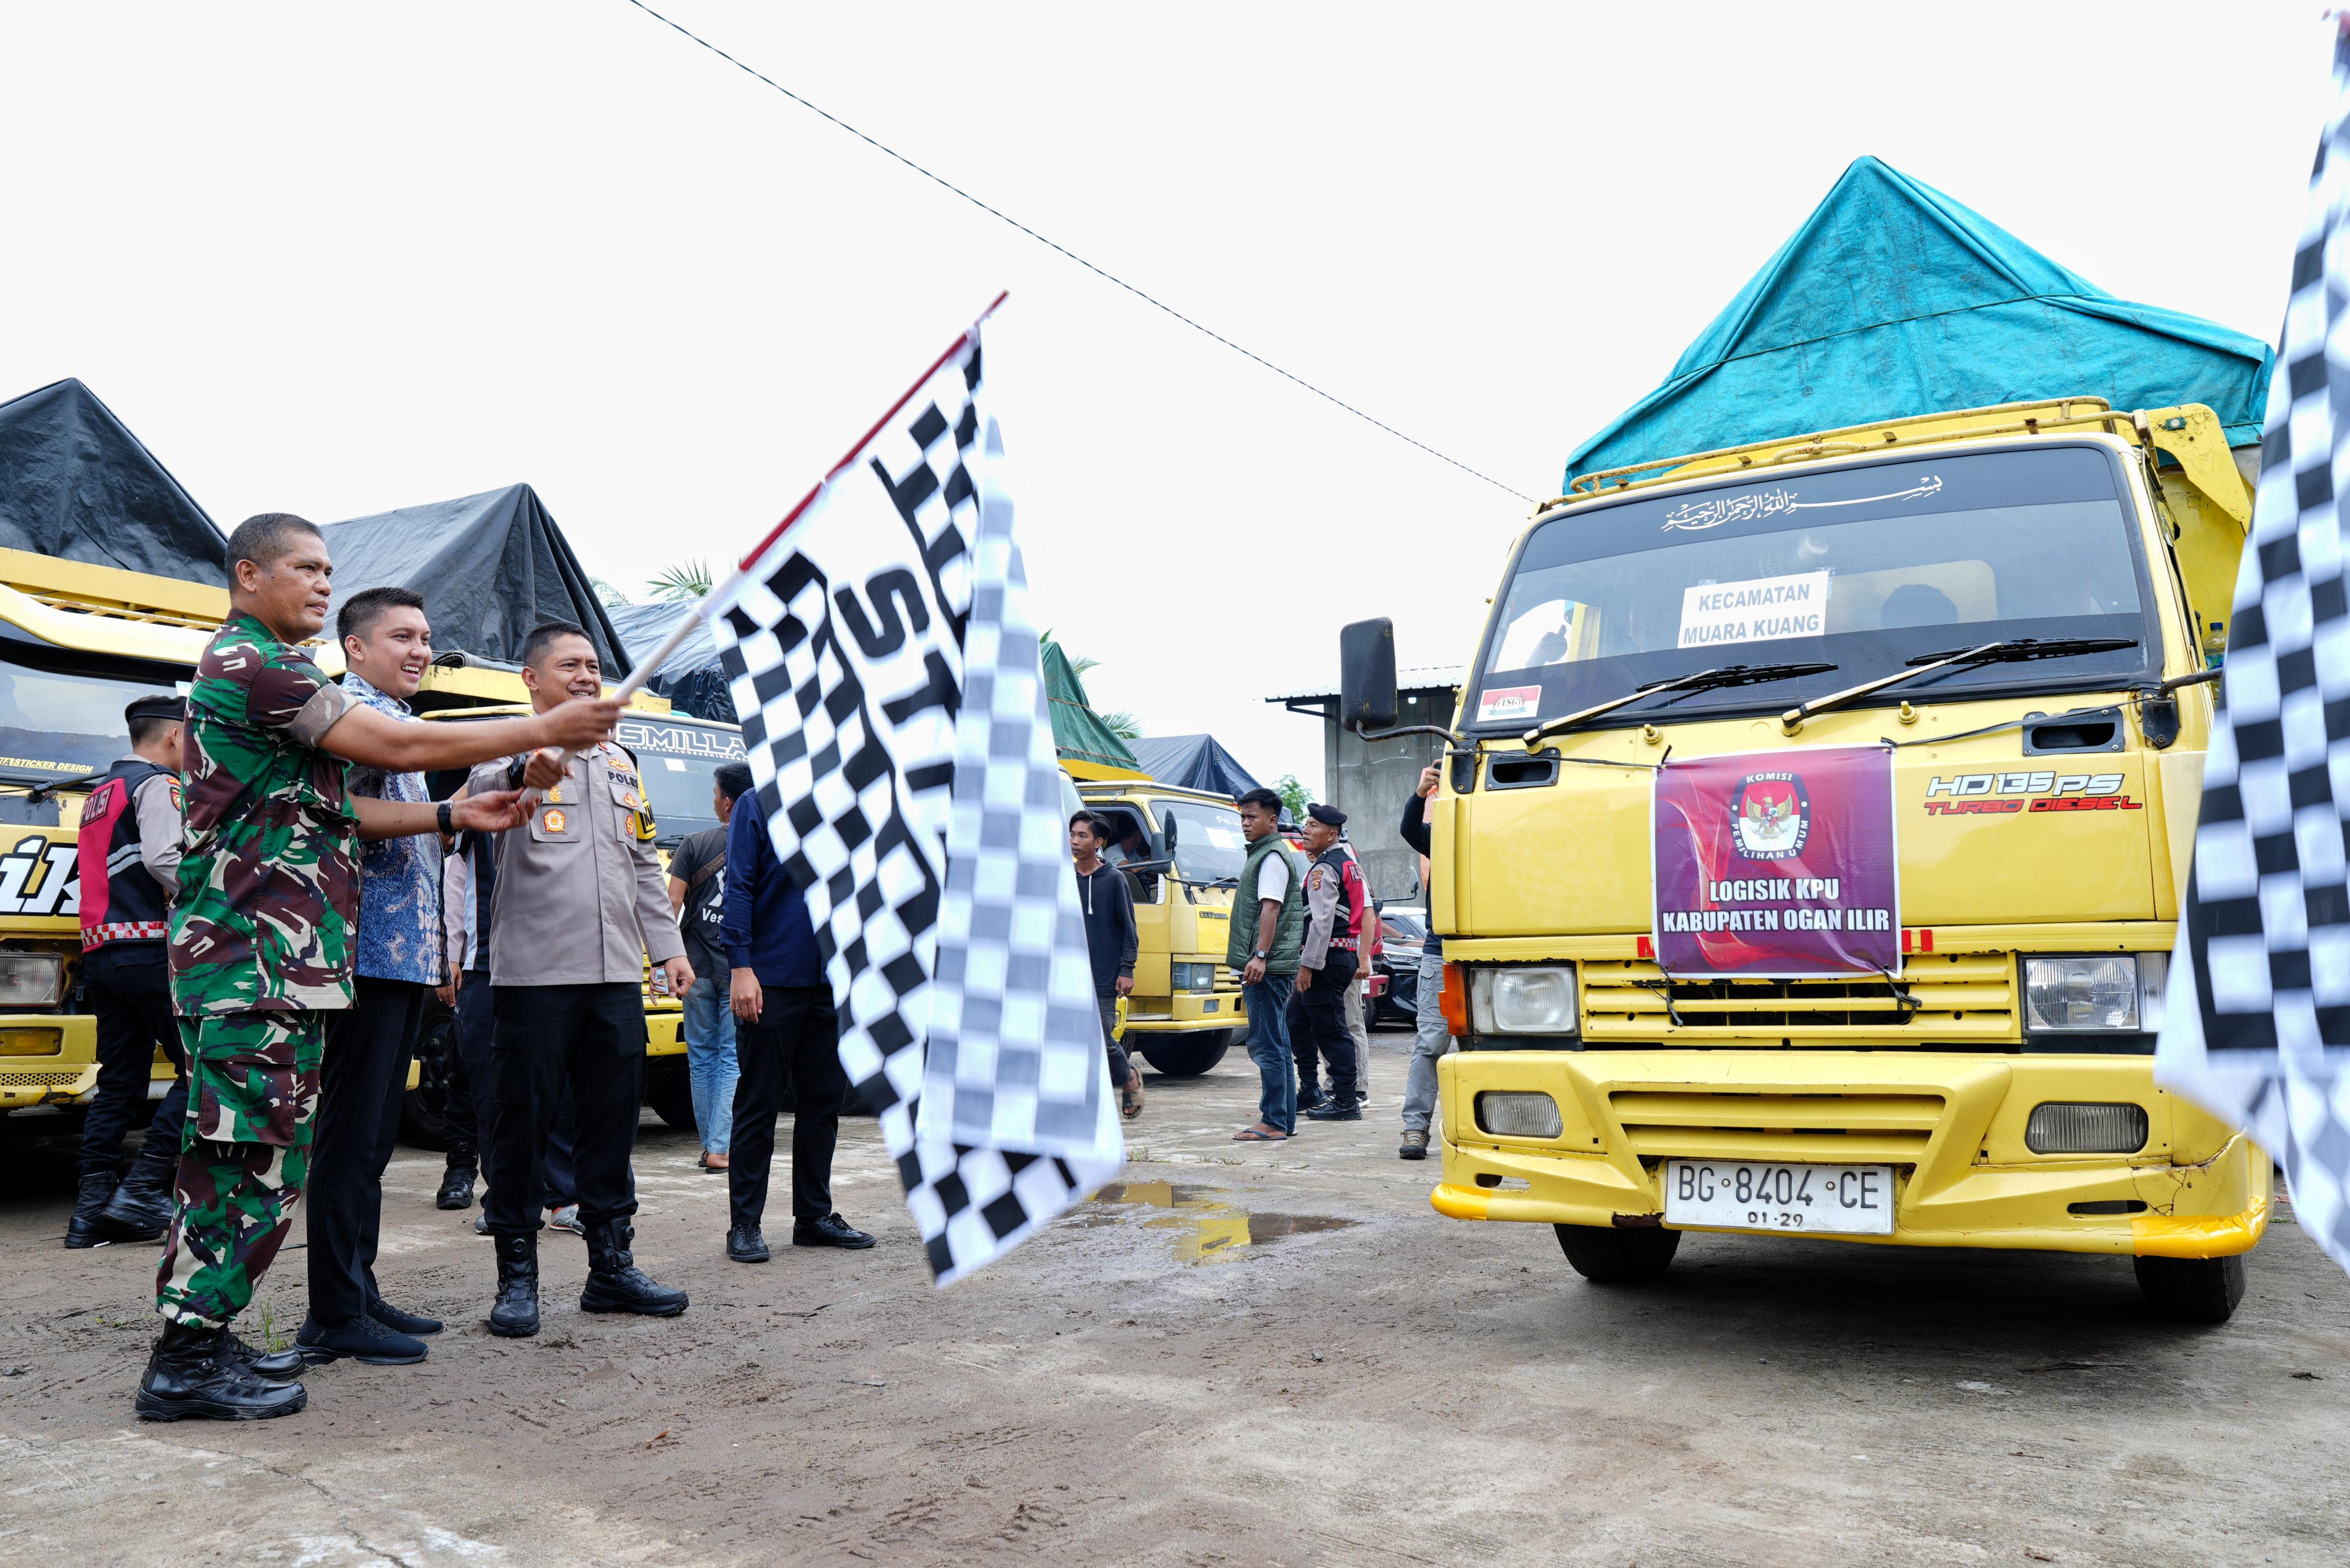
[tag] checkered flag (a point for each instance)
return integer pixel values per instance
(880, 650)
(2256, 1027)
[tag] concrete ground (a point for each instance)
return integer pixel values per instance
(1244, 1356)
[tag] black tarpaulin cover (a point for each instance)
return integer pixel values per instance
(691, 678)
(490, 566)
(76, 484)
(1193, 762)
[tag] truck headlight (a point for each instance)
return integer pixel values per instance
(1193, 976)
(30, 980)
(1527, 1000)
(2089, 995)
(1515, 1113)
(2063, 1126)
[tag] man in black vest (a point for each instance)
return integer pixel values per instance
(129, 861)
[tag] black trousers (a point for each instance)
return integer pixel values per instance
(1323, 1011)
(589, 1039)
(796, 1045)
(1118, 1063)
(129, 989)
(470, 1104)
(361, 1082)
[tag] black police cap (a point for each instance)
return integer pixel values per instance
(1327, 816)
(174, 708)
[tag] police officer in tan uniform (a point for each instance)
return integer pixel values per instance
(579, 905)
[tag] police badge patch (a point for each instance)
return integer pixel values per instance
(1771, 816)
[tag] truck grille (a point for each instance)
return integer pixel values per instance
(1893, 1128)
(1939, 1000)
(42, 1078)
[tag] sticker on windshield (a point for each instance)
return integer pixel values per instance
(1508, 702)
(1757, 611)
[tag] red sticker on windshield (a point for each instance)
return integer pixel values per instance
(1508, 702)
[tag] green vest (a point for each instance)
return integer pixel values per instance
(1288, 927)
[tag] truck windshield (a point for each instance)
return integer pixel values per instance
(63, 723)
(1862, 568)
(1208, 843)
(679, 760)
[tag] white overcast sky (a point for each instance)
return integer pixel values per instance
(336, 259)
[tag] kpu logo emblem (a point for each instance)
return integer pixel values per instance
(1771, 816)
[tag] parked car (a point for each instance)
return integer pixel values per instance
(1403, 932)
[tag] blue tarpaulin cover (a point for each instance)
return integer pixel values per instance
(1893, 300)
(691, 677)
(1193, 762)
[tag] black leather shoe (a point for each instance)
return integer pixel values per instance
(1313, 1102)
(362, 1339)
(1336, 1110)
(89, 1227)
(416, 1326)
(456, 1188)
(140, 1209)
(191, 1372)
(269, 1365)
(831, 1231)
(615, 1283)
(514, 1314)
(481, 1224)
(745, 1245)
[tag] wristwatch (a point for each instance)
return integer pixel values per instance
(447, 825)
(1259, 953)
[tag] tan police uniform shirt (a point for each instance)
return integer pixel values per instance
(580, 896)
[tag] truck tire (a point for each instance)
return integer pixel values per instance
(2196, 1290)
(1186, 1055)
(670, 1093)
(424, 1109)
(1608, 1256)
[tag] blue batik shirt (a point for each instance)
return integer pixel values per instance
(400, 878)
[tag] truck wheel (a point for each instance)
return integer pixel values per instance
(2199, 1290)
(1607, 1256)
(671, 1094)
(424, 1109)
(1187, 1056)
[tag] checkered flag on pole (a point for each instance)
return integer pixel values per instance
(880, 652)
(2256, 1026)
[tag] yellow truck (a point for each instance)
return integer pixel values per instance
(78, 642)
(1182, 852)
(1811, 840)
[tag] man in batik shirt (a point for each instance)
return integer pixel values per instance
(260, 935)
(387, 647)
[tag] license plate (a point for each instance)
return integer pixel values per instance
(1755, 1195)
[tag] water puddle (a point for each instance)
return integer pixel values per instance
(1206, 1228)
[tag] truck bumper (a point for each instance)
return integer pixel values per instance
(1952, 1126)
(1188, 1013)
(665, 1031)
(63, 1070)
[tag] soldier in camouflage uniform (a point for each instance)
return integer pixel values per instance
(261, 936)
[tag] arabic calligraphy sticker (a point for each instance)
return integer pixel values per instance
(1756, 610)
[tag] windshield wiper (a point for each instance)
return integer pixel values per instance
(2010, 650)
(1704, 680)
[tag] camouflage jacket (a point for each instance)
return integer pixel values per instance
(269, 892)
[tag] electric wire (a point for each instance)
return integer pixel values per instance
(1098, 272)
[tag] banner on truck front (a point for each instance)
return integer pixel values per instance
(1777, 865)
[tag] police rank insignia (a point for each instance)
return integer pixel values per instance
(554, 820)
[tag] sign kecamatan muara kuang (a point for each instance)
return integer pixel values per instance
(1777, 865)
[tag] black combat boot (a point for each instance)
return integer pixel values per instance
(88, 1227)
(615, 1283)
(514, 1314)
(198, 1372)
(456, 1188)
(270, 1366)
(141, 1207)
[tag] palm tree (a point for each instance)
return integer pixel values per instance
(1122, 724)
(610, 596)
(681, 582)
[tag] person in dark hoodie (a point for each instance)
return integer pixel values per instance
(1111, 941)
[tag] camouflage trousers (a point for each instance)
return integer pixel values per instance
(252, 1092)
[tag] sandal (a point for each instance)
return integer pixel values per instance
(1129, 1100)
(1257, 1134)
(716, 1164)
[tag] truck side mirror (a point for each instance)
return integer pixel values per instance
(1168, 835)
(1367, 675)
